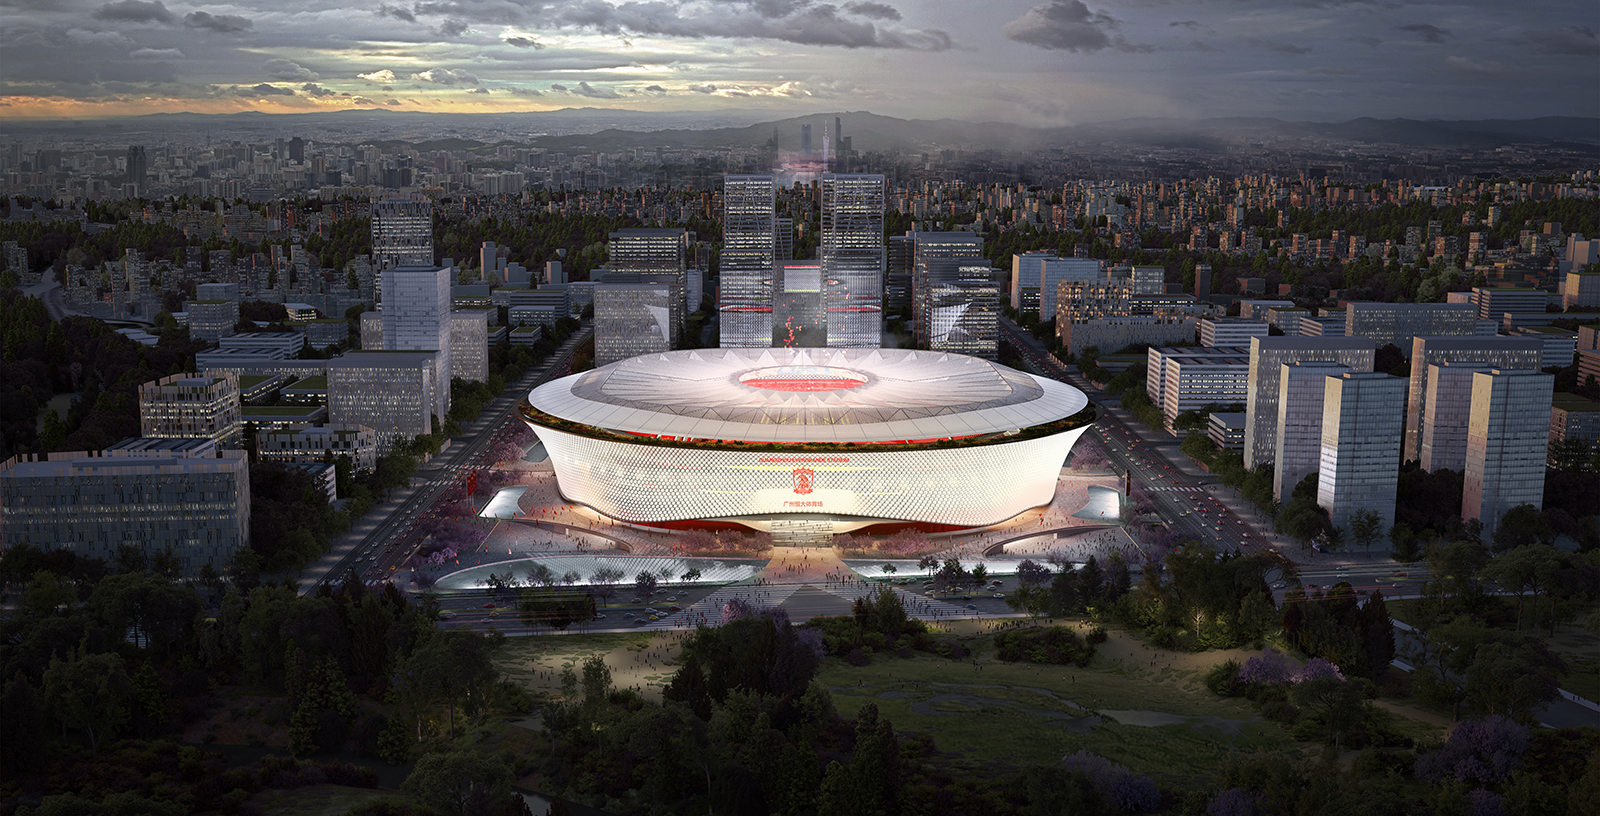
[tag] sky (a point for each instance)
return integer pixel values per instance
(1059, 62)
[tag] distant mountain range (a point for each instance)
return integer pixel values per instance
(607, 129)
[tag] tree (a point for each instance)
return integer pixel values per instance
(92, 692)
(1520, 526)
(644, 585)
(1365, 527)
(1335, 701)
(1030, 573)
(459, 782)
(980, 575)
(1514, 677)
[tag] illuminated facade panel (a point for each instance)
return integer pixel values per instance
(190, 405)
(854, 258)
(746, 264)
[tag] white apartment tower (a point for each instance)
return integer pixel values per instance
(1362, 426)
(1496, 352)
(1267, 356)
(1298, 452)
(1507, 441)
(1445, 416)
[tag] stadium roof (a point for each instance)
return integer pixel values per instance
(807, 395)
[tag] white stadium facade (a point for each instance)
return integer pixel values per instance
(852, 435)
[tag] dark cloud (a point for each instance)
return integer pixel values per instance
(1192, 25)
(393, 102)
(312, 89)
(445, 76)
(220, 23)
(453, 28)
(288, 70)
(480, 90)
(1283, 48)
(1431, 33)
(655, 89)
(707, 88)
(560, 88)
(524, 42)
(396, 12)
(1574, 40)
(134, 11)
(137, 72)
(876, 11)
(526, 91)
(1068, 25)
(264, 90)
(585, 89)
(156, 53)
(1486, 69)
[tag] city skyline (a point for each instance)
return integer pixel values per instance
(1052, 63)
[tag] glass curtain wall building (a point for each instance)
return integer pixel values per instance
(1507, 442)
(631, 319)
(747, 261)
(402, 233)
(854, 258)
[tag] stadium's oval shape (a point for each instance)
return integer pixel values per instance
(883, 434)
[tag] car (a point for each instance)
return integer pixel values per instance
(640, 622)
(488, 606)
(447, 615)
(600, 616)
(971, 606)
(1399, 575)
(1311, 586)
(494, 614)
(674, 608)
(1000, 595)
(627, 614)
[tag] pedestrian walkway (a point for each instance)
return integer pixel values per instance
(708, 610)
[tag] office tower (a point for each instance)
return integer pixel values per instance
(1053, 271)
(1507, 443)
(297, 149)
(392, 392)
(418, 318)
(936, 256)
(963, 308)
(748, 246)
(1495, 301)
(1267, 356)
(1190, 382)
(402, 232)
(539, 307)
(1230, 331)
(1025, 280)
(212, 320)
(138, 165)
(799, 306)
(1361, 433)
(191, 406)
(1443, 430)
(469, 344)
(900, 253)
(1202, 282)
(491, 267)
(631, 319)
(1397, 323)
(853, 258)
(1297, 452)
(315, 444)
(154, 494)
(805, 139)
(782, 240)
(1496, 352)
(656, 255)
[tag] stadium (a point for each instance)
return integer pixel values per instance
(850, 436)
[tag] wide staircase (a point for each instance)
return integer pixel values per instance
(709, 608)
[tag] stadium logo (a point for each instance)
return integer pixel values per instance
(802, 480)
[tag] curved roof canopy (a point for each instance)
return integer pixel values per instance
(807, 395)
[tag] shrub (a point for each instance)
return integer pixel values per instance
(1056, 645)
(1097, 635)
(1223, 679)
(858, 657)
(1485, 750)
(1125, 789)
(351, 775)
(1269, 668)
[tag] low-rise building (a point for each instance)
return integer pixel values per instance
(191, 406)
(320, 444)
(1230, 331)
(1225, 429)
(392, 392)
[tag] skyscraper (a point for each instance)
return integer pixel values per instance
(1267, 356)
(963, 312)
(1497, 352)
(418, 319)
(631, 319)
(745, 297)
(935, 257)
(1507, 441)
(853, 258)
(1445, 416)
(1361, 433)
(1298, 449)
(402, 232)
(799, 307)
(805, 139)
(656, 255)
(137, 165)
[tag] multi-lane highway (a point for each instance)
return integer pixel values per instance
(387, 546)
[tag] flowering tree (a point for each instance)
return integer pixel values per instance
(1315, 669)
(737, 609)
(1270, 668)
(1124, 789)
(1486, 750)
(697, 541)
(905, 543)
(1088, 454)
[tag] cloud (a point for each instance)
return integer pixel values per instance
(1068, 25)
(445, 76)
(264, 90)
(288, 70)
(524, 42)
(1200, 45)
(480, 90)
(453, 28)
(876, 11)
(361, 100)
(1487, 68)
(393, 103)
(1574, 40)
(156, 53)
(1283, 48)
(384, 76)
(585, 89)
(134, 11)
(707, 88)
(558, 88)
(396, 12)
(1339, 71)
(220, 23)
(1431, 33)
(83, 36)
(312, 89)
(657, 89)
(1192, 25)
(526, 91)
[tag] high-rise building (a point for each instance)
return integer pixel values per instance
(1496, 352)
(1445, 414)
(1397, 323)
(1053, 271)
(963, 311)
(631, 319)
(1267, 356)
(391, 392)
(937, 256)
(1507, 442)
(1230, 331)
(1025, 280)
(1202, 282)
(212, 320)
(418, 318)
(1298, 449)
(402, 232)
(747, 262)
(191, 406)
(1191, 382)
(1494, 301)
(138, 165)
(853, 258)
(805, 139)
(185, 495)
(469, 344)
(656, 255)
(901, 253)
(1361, 433)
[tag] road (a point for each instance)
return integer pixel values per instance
(386, 546)
(1192, 504)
